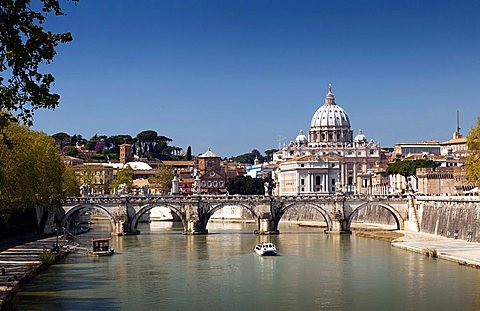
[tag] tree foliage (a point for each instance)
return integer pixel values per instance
(124, 176)
(408, 168)
(25, 46)
(247, 185)
(473, 159)
(162, 180)
(70, 184)
(189, 153)
(250, 157)
(31, 173)
(270, 153)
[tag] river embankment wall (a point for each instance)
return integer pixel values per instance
(450, 216)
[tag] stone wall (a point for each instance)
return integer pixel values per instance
(374, 214)
(304, 213)
(453, 217)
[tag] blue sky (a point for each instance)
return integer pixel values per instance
(236, 75)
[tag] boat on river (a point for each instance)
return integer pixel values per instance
(101, 247)
(266, 249)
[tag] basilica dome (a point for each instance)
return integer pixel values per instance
(330, 123)
(330, 114)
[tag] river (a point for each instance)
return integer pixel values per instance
(163, 269)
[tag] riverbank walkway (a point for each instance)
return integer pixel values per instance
(460, 251)
(17, 264)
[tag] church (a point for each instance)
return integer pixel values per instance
(330, 160)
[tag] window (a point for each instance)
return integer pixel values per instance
(209, 183)
(302, 182)
(215, 184)
(204, 183)
(302, 165)
(220, 183)
(317, 180)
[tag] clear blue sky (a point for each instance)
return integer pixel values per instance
(234, 75)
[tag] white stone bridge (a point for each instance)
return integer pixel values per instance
(338, 211)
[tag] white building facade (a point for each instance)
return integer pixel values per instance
(331, 152)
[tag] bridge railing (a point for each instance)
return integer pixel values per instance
(225, 198)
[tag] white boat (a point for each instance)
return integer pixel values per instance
(266, 249)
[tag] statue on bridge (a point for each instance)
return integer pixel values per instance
(122, 189)
(84, 190)
(145, 190)
(266, 186)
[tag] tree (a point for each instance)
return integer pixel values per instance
(162, 180)
(70, 184)
(408, 168)
(472, 162)
(25, 46)
(189, 153)
(270, 153)
(246, 185)
(62, 139)
(30, 175)
(249, 157)
(70, 151)
(124, 176)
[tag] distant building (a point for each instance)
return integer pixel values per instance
(330, 137)
(97, 176)
(212, 175)
(125, 153)
(72, 161)
(427, 147)
(443, 180)
(308, 175)
(456, 146)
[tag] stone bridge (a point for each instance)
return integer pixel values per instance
(338, 211)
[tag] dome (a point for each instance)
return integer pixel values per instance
(330, 114)
(141, 166)
(301, 138)
(330, 124)
(360, 138)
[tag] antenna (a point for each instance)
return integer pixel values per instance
(280, 141)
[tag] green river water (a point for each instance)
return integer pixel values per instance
(161, 269)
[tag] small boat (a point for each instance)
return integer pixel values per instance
(101, 247)
(266, 249)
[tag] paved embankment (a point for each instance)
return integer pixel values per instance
(463, 252)
(19, 263)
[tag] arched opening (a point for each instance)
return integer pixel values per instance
(166, 217)
(377, 216)
(305, 215)
(234, 217)
(82, 218)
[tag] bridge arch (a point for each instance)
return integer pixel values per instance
(216, 207)
(396, 215)
(76, 208)
(145, 208)
(317, 207)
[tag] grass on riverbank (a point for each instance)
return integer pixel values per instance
(382, 235)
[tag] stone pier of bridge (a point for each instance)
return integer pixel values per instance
(338, 211)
